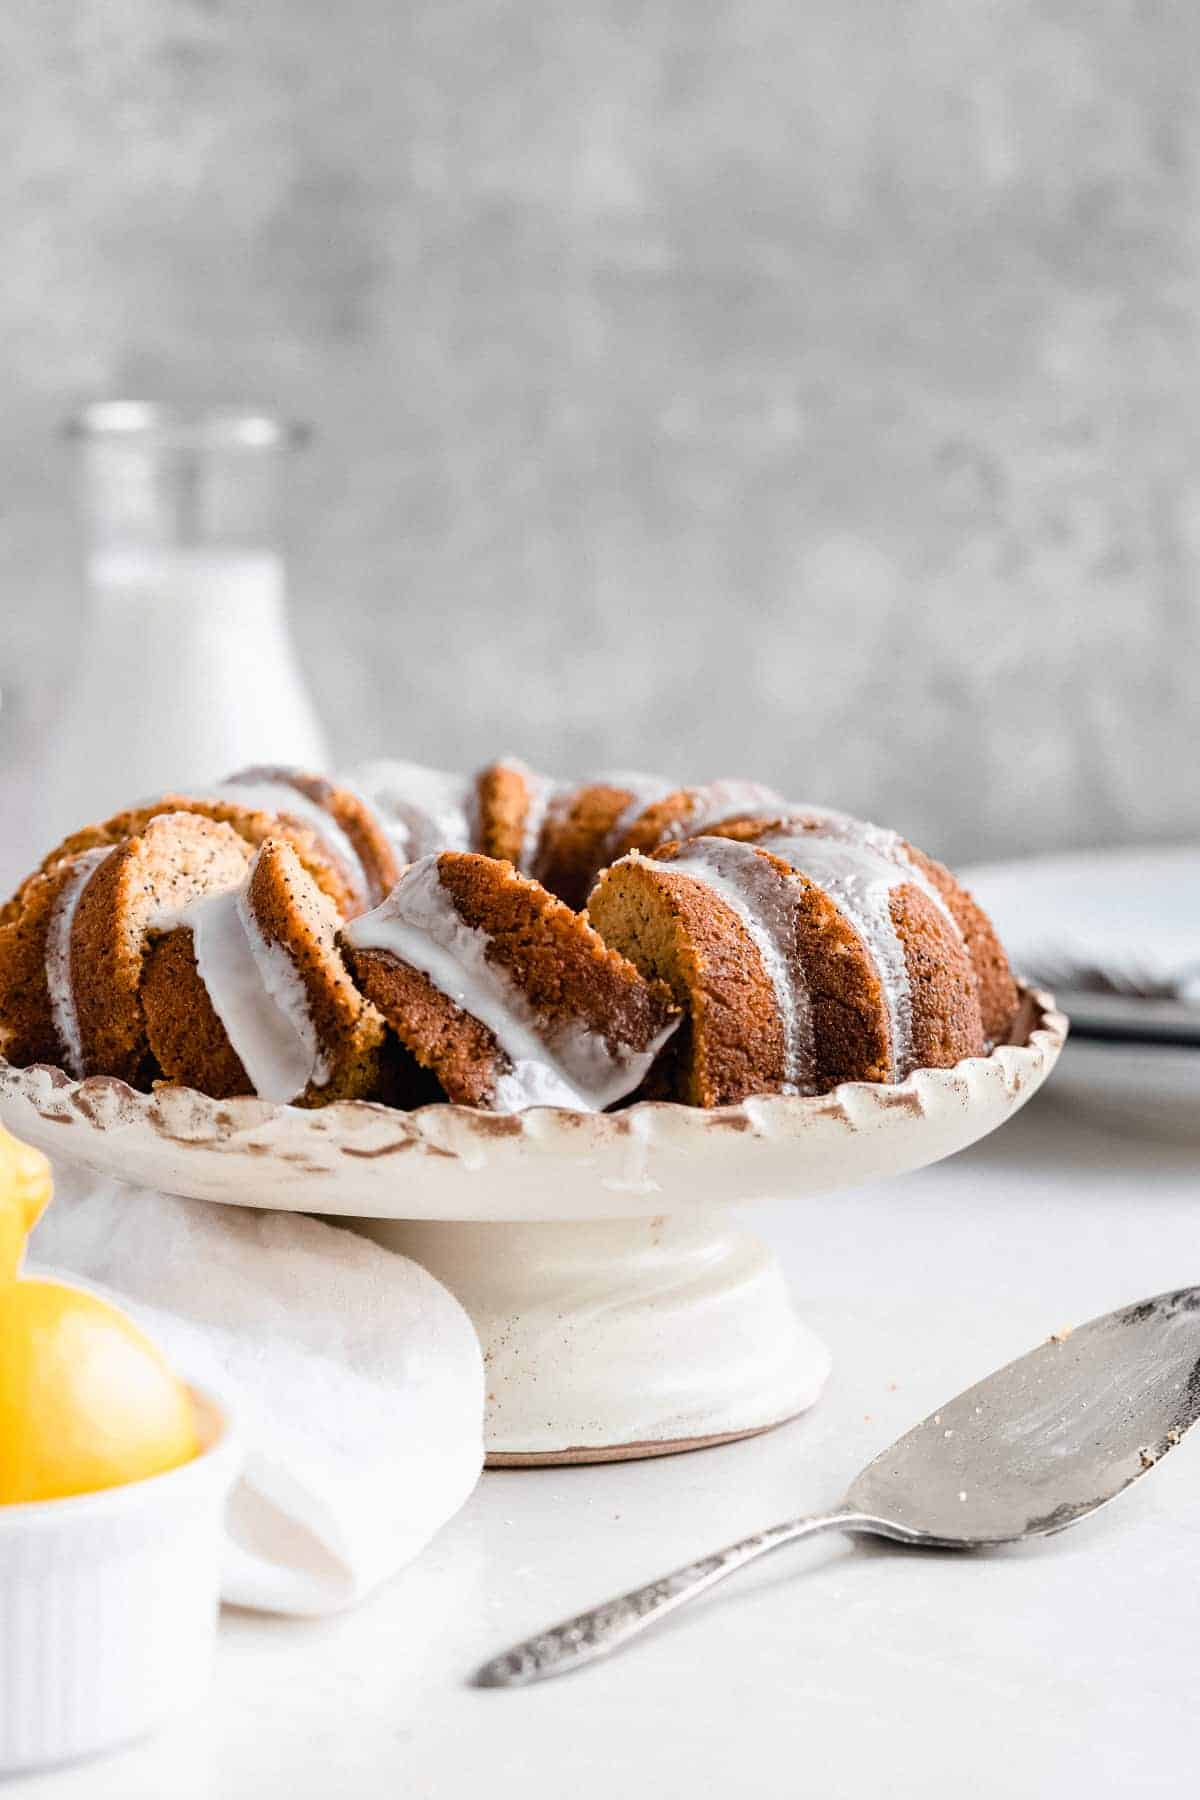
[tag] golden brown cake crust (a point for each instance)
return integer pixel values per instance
(291, 912)
(145, 881)
(562, 967)
(732, 1045)
(348, 810)
(575, 837)
(27, 1031)
(657, 823)
(996, 988)
(677, 931)
(187, 1039)
(673, 817)
(254, 826)
(502, 800)
(946, 1021)
(998, 997)
(453, 1047)
(680, 929)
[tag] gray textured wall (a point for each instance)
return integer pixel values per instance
(794, 386)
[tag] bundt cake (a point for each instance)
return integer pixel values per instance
(509, 997)
(250, 824)
(409, 935)
(806, 951)
(498, 812)
(997, 989)
(71, 962)
(181, 955)
(582, 827)
(561, 833)
(247, 994)
(345, 825)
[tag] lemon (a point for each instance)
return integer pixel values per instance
(24, 1192)
(86, 1400)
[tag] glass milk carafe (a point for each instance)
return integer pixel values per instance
(186, 669)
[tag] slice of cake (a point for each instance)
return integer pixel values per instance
(71, 959)
(508, 810)
(251, 823)
(343, 821)
(802, 961)
(503, 992)
(581, 825)
(686, 812)
(805, 825)
(246, 993)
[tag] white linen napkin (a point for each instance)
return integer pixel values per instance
(359, 1377)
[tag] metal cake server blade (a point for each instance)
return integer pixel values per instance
(1034, 1448)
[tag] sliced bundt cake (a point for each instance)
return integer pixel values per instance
(247, 994)
(996, 986)
(250, 823)
(509, 806)
(37, 1011)
(686, 812)
(734, 944)
(580, 826)
(345, 823)
(802, 960)
(77, 944)
(508, 996)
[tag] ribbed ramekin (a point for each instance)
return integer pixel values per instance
(108, 1604)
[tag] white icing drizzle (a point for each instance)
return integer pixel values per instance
(540, 794)
(766, 902)
(644, 791)
(282, 797)
(720, 800)
(828, 823)
(257, 995)
(421, 810)
(860, 880)
(707, 806)
(419, 924)
(61, 987)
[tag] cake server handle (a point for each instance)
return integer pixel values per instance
(606, 1628)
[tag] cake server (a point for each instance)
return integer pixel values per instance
(1039, 1445)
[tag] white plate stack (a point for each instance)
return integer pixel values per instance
(1116, 935)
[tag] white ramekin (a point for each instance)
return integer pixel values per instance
(108, 1604)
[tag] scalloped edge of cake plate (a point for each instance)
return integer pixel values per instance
(623, 1312)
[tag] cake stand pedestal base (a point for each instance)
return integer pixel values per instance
(621, 1338)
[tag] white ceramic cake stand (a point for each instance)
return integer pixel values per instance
(622, 1309)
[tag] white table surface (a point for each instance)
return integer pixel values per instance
(834, 1669)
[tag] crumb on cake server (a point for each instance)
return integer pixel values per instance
(508, 996)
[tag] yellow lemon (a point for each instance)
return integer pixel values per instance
(86, 1400)
(24, 1192)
